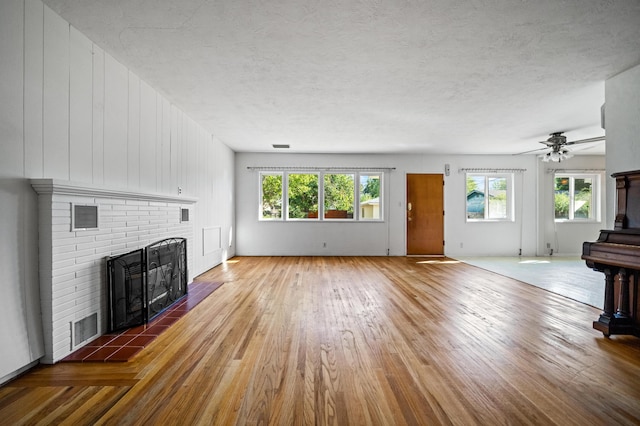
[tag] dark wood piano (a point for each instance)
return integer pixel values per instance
(617, 255)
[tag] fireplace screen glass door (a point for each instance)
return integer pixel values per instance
(126, 290)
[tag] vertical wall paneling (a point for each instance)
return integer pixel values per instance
(116, 102)
(13, 333)
(133, 134)
(98, 115)
(56, 96)
(33, 168)
(148, 119)
(158, 143)
(33, 75)
(174, 147)
(80, 107)
(11, 87)
(71, 112)
(165, 169)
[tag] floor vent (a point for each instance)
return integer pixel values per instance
(85, 329)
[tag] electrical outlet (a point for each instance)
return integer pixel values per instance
(548, 245)
(324, 245)
(461, 245)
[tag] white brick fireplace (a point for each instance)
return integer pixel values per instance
(72, 262)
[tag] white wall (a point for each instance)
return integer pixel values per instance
(70, 111)
(462, 238)
(566, 238)
(622, 105)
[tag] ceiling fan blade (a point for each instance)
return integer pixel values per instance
(589, 140)
(533, 150)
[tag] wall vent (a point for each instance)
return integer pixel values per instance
(184, 215)
(84, 216)
(84, 329)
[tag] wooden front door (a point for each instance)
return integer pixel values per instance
(425, 214)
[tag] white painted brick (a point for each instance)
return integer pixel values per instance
(137, 203)
(63, 310)
(110, 236)
(114, 250)
(61, 221)
(59, 279)
(59, 248)
(113, 213)
(91, 273)
(93, 245)
(136, 222)
(63, 263)
(110, 201)
(72, 255)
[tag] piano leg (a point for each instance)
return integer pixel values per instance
(614, 321)
(623, 301)
(604, 322)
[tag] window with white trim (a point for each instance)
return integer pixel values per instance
(302, 196)
(576, 197)
(489, 197)
(320, 196)
(270, 196)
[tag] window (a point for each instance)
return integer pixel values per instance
(489, 197)
(575, 197)
(339, 196)
(370, 196)
(320, 196)
(303, 196)
(270, 196)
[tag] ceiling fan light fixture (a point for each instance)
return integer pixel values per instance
(557, 156)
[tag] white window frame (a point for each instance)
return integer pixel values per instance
(510, 214)
(595, 197)
(282, 206)
(286, 197)
(321, 195)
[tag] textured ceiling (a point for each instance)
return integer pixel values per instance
(374, 76)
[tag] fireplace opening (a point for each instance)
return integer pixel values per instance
(145, 282)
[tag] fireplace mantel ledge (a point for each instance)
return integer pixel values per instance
(65, 187)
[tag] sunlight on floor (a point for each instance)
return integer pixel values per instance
(567, 276)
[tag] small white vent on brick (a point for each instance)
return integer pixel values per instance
(84, 329)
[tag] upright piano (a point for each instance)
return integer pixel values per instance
(616, 254)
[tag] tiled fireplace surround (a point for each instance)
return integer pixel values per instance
(72, 263)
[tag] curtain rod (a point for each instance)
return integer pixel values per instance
(489, 170)
(310, 168)
(576, 170)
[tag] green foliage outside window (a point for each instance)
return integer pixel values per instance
(339, 193)
(369, 187)
(303, 195)
(271, 206)
(573, 198)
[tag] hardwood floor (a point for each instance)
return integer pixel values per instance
(354, 340)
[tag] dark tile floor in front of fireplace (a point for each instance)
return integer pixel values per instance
(123, 345)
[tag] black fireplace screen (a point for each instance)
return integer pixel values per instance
(145, 282)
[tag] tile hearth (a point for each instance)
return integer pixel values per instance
(123, 345)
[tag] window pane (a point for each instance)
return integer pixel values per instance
(370, 196)
(561, 198)
(303, 196)
(271, 205)
(582, 203)
(497, 198)
(475, 197)
(339, 196)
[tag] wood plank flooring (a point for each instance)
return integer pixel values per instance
(354, 340)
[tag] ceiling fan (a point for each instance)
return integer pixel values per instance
(558, 143)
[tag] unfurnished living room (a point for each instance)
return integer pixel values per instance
(357, 212)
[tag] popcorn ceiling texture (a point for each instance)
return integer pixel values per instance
(486, 76)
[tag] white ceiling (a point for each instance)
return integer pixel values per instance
(374, 76)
